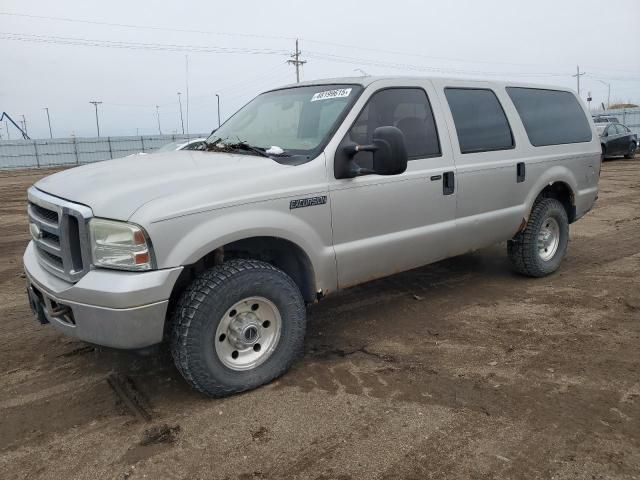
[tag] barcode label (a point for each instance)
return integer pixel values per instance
(327, 94)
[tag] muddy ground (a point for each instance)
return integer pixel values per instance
(457, 370)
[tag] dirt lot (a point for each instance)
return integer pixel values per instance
(457, 370)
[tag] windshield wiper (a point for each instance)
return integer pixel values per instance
(243, 145)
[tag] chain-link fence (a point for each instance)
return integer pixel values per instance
(627, 116)
(59, 152)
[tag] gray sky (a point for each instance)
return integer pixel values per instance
(246, 43)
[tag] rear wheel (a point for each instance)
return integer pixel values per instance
(539, 249)
(632, 150)
(239, 325)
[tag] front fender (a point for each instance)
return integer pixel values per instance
(184, 240)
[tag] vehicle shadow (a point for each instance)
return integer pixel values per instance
(331, 322)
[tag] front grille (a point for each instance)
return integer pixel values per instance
(52, 238)
(54, 260)
(60, 234)
(44, 214)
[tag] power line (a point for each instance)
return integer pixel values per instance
(147, 27)
(423, 68)
(53, 39)
(216, 49)
(377, 51)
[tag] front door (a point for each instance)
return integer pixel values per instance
(387, 224)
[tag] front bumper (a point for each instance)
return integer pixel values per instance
(106, 307)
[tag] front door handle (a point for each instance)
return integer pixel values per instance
(521, 172)
(448, 183)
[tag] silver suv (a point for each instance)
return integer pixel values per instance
(306, 190)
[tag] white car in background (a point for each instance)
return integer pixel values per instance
(181, 145)
(192, 144)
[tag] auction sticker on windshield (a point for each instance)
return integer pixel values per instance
(327, 94)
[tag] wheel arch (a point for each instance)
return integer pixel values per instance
(279, 252)
(562, 192)
(560, 183)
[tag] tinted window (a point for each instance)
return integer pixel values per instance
(405, 108)
(480, 122)
(550, 117)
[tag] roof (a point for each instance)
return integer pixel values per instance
(368, 80)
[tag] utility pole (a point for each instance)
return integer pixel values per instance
(218, 97)
(181, 120)
(295, 60)
(608, 92)
(578, 75)
(186, 76)
(158, 113)
(24, 125)
(48, 121)
(95, 104)
(6, 127)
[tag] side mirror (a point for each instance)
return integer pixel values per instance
(389, 154)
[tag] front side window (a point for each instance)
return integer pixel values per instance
(550, 117)
(409, 110)
(298, 120)
(480, 121)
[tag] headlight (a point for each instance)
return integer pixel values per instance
(119, 245)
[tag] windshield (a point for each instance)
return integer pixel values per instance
(296, 121)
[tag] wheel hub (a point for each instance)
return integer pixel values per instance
(548, 239)
(248, 333)
(245, 330)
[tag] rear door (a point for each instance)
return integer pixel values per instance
(623, 138)
(492, 188)
(387, 224)
(616, 138)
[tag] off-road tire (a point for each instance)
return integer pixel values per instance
(201, 308)
(523, 248)
(632, 151)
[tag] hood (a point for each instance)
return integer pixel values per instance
(117, 188)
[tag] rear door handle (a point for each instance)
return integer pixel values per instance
(448, 183)
(521, 172)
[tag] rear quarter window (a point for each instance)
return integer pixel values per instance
(550, 117)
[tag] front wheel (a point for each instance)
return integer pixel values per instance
(538, 250)
(632, 150)
(239, 325)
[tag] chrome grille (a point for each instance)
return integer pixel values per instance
(44, 215)
(59, 230)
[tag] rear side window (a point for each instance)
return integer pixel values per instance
(481, 123)
(550, 117)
